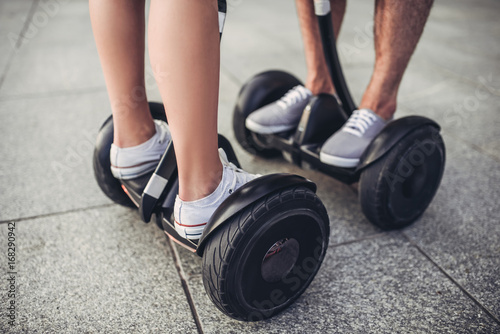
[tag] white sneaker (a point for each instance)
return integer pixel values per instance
(191, 217)
(131, 162)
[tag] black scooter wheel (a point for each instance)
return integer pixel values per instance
(257, 92)
(395, 190)
(265, 257)
(110, 186)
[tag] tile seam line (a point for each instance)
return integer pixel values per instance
(58, 213)
(185, 285)
(31, 12)
(455, 282)
(369, 237)
(53, 94)
(345, 243)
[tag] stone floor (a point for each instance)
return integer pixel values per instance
(85, 264)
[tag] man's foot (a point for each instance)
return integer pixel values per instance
(281, 115)
(344, 147)
(191, 217)
(132, 162)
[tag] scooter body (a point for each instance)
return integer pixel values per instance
(274, 229)
(398, 173)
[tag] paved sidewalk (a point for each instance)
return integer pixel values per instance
(86, 265)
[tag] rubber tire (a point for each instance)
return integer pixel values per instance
(392, 196)
(227, 256)
(260, 90)
(109, 185)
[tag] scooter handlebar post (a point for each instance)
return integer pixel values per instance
(222, 6)
(324, 16)
(322, 7)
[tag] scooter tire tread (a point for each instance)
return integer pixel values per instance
(373, 194)
(222, 246)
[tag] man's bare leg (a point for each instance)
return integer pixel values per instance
(398, 27)
(318, 78)
(119, 34)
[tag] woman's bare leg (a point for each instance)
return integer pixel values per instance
(119, 34)
(184, 47)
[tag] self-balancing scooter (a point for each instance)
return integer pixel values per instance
(400, 171)
(261, 248)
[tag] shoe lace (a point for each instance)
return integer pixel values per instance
(359, 122)
(294, 95)
(239, 175)
(163, 132)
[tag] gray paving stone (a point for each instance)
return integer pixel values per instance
(453, 82)
(46, 64)
(46, 147)
(460, 231)
(457, 105)
(382, 285)
(251, 27)
(459, 34)
(260, 36)
(95, 271)
(12, 18)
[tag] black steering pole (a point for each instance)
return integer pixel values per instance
(324, 15)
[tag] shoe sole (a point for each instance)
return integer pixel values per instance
(337, 161)
(190, 232)
(265, 130)
(132, 172)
